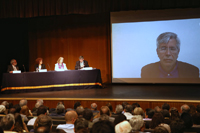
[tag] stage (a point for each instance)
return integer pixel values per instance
(123, 92)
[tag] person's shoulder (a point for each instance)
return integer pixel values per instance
(187, 65)
(150, 66)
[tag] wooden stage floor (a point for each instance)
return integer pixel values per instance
(157, 92)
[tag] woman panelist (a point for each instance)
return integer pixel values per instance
(39, 64)
(60, 66)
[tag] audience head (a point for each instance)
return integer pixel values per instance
(123, 127)
(134, 105)
(80, 110)
(185, 108)
(6, 104)
(198, 108)
(103, 117)
(41, 110)
(128, 108)
(162, 128)
(150, 113)
(157, 109)
(80, 123)
(25, 110)
(192, 109)
(103, 127)
(105, 110)
(12, 110)
(87, 114)
(2, 109)
(156, 120)
(60, 109)
(165, 106)
(124, 105)
(77, 104)
(110, 106)
(23, 102)
(119, 109)
(119, 118)
(41, 101)
(7, 122)
(174, 113)
(94, 106)
(137, 122)
(177, 126)
(38, 104)
(71, 116)
(165, 113)
(138, 111)
(44, 121)
(18, 108)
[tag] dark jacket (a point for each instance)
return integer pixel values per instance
(78, 65)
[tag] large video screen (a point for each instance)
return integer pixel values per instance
(156, 46)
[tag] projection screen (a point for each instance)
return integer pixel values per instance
(156, 46)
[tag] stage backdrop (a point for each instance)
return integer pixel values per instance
(69, 37)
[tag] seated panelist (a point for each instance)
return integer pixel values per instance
(81, 63)
(60, 66)
(39, 64)
(13, 66)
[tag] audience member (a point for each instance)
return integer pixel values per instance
(138, 111)
(17, 107)
(123, 127)
(148, 117)
(25, 113)
(174, 114)
(162, 128)
(43, 121)
(134, 105)
(7, 123)
(19, 125)
(128, 111)
(77, 104)
(192, 109)
(41, 110)
(37, 105)
(23, 102)
(60, 111)
(166, 116)
(156, 120)
(119, 109)
(177, 126)
(157, 109)
(103, 127)
(124, 105)
(94, 109)
(165, 106)
(137, 123)
(2, 110)
(88, 115)
(104, 110)
(70, 118)
(185, 116)
(7, 106)
(110, 107)
(79, 111)
(80, 123)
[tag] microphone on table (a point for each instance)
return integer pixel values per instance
(24, 68)
(49, 66)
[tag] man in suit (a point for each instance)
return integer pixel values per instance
(13, 66)
(168, 48)
(81, 63)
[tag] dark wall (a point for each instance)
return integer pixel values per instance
(13, 43)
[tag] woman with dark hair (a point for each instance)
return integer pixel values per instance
(39, 64)
(156, 120)
(19, 126)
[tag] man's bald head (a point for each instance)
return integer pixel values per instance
(71, 116)
(185, 108)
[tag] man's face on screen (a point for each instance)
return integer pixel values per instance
(168, 53)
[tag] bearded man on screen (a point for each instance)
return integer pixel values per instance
(168, 48)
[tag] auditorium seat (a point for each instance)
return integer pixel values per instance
(58, 117)
(57, 122)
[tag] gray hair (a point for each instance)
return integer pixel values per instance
(119, 108)
(138, 111)
(123, 127)
(60, 108)
(166, 36)
(5, 103)
(185, 108)
(80, 110)
(11, 62)
(7, 122)
(40, 100)
(93, 105)
(38, 104)
(23, 102)
(136, 122)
